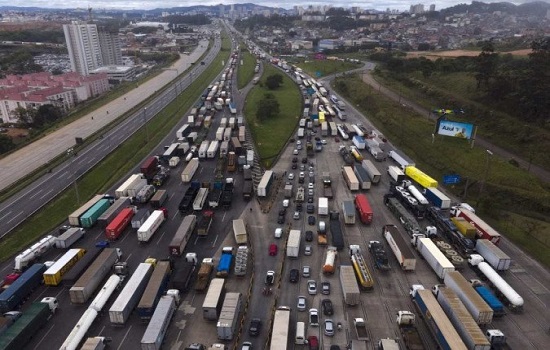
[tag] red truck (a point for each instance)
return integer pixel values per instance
(484, 230)
(119, 223)
(363, 207)
(149, 168)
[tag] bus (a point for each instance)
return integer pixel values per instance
(200, 199)
(279, 335)
(178, 243)
(52, 276)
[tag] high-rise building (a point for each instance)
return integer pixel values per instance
(432, 7)
(90, 48)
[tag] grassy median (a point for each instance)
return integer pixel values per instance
(245, 72)
(114, 166)
(322, 68)
(270, 135)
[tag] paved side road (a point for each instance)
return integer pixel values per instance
(480, 142)
(40, 152)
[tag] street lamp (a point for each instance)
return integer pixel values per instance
(145, 123)
(487, 163)
(72, 153)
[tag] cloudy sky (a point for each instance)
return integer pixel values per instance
(151, 4)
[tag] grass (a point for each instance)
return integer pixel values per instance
(114, 167)
(322, 68)
(271, 135)
(494, 124)
(506, 187)
(245, 72)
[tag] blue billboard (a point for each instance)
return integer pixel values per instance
(455, 129)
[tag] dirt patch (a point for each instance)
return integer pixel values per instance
(16, 133)
(457, 53)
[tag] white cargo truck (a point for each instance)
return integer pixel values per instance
(293, 244)
(190, 169)
(348, 282)
(433, 256)
(150, 226)
(69, 237)
(322, 208)
(229, 316)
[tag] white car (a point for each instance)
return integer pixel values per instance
(311, 287)
(310, 186)
(301, 303)
(286, 203)
(278, 232)
(307, 250)
(291, 176)
(298, 142)
(324, 142)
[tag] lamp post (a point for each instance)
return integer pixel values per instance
(145, 123)
(487, 163)
(71, 153)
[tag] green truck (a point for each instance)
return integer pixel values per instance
(33, 318)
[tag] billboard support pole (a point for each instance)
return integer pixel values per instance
(474, 137)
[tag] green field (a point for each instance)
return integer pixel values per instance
(114, 167)
(506, 186)
(271, 135)
(322, 68)
(245, 72)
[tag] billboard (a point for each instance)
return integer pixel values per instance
(455, 129)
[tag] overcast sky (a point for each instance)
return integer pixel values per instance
(152, 4)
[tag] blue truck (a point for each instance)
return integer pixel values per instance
(225, 262)
(490, 298)
(12, 297)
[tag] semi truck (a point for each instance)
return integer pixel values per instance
(149, 167)
(89, 218)
(19, 290)
(363, 208)
(190, 169)
(489, 297)
(53, 275)
(104, 219)
(484, 230)
(156, 330)
(239, 232)
(86, 285)
(396, 174)
(420, 177)
(327, 186)
(151, 225)
(372, 171)
(439, 324)
(350, 178)
(504, 290)
(213, 300)
(71, 276)
(34, 252)
(156, 287)
(348, 282)
(293, 244)
(433, 256)
(379, 255)
(329, 265)
(130, 295)
(26, 327)
(203, 276)
(182, 235)
(481, 312)
(400, 248)
(348, 211)
(184, 272)
(119, 224)
(229, 316)
(466, 327)
(362, 271)
(336, 230)
(492, 255)
(406, 321)
(204, 223)
(437, 198)
(224, 265)
(67, 238)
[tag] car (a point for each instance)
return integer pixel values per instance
(310, 208)
(273, 249)
(306, 271)
(296, 215)
(310, 192)
(281, 219)
(313, 342)
(282, 211)
(334, 347)
(302, 167)
(291, 176)
(327, 307)
(324, 142)
(310, 199)
(309, 236)
(270, 277)
(298, 142)
(299, 207)
(311, 175)
(312, 287)
(286, 203)
(310, 186)
(301, 305)
(299, 147)
(246, 346)
(301, 180)
(336, 139)
(255, 326)
(325, 288)
(291, 140)
(102, 244)
(295, 160)
(313, 317)
(304, 160)
(307, 249)
(329, 328)
(278, 232)
(311, 220)
(295, 152)
(294, 275)
(294, 166)
(317, 138)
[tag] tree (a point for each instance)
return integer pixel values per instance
(274, 81)
(486, 64)
(46, 114)
(24, 116)
(6, 144)
(535, 85)
(267, 107)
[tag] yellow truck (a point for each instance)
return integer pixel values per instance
(53, 275)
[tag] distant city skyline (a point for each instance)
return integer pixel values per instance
(402, 5)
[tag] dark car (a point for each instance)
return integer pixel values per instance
(295, 160)
(299, 206)
(325, 288)
(309, 236)
(310, 208)
(282, 211)
(294, 166)
(255, 326)
(304, 160)
(294, 275)
(281, 219)
(327, 307)
(311, 220)
(317, 138)
(310, 199)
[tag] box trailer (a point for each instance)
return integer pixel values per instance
(87, 284)
(149, 167)
(350, 178)
(239, 232)
(293, 244)
(53, 275)
(150, 226)
(184, 232)
(159, 198)
(139, 218)
(402, 160)
(156, 287)
(481, 312)
(104, 219)
(371, 170)
(348, 282)
(156, 330)
(229, 316)
(89, 218)
(74, 217)
(492, 254)
(363, 208)
(67, 238)
(130, 295)
(265, 183)
(212, 304)
(212, 149)
(71, 276)
(203, 148)
(190, 169)
(437, 198)
(19, 290)
(119, 224)
(420, 177)
(362, 177)
(396, 174)
(348, 211)
(400, 248)
(433, 256)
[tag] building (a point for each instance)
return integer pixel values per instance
(329, 44)
(83, 45)
(116, 74)
(111, 51)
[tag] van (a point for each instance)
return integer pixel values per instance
(300, 333)
(322, 227)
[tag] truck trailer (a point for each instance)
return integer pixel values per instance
(348, 282)
(150, 226)
(229, 316)
(19, 290)
(119, 224)
(71, 276)
(293, 244)
(182, 235)
(372, 171)
(156, 330)
(362, 271)
(67, 238)
(156, 287)
(104, 219)
(213, 301)
(363, 208)
(492, 254)
(239, 232)
(433, 256)
(481, 312)
(400, 248)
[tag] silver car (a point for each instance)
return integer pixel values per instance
(301, 306)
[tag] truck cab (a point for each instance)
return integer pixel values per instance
(52, 303)
(414, 289)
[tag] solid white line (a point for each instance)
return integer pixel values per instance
(162, 235)
(44, 337)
